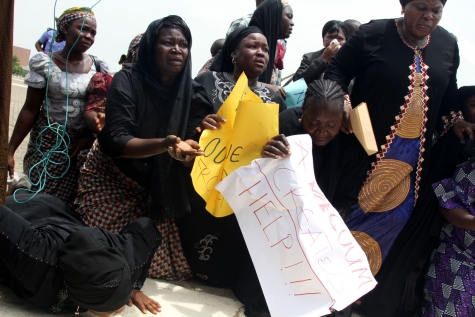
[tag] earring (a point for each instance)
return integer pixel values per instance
(77, 311)
(300, 119)
(233, 60)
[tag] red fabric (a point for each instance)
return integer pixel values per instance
(279, 60)
(96, 92)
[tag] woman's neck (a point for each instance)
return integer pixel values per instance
(252, 82)
(74, 56)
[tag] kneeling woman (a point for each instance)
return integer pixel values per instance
(339, 161)
(52, 259)
(126, 174)
(214, 247)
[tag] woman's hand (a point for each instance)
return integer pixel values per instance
(463, 126)
(83, 143)
(345, 122)
(95, 121)
(277, 147)
(182, 150)
(144, 303)
(211, 122)
(11, 164)
(278, 89)
(329, 52)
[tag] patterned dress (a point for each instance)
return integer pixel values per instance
(450, 282)
(46, 159)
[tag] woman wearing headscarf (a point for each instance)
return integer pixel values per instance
(49, 257)
(148, 111)
(275, 19)
(214, 246)
(132, 53)
(314, 64)
(405, 70)
(54, 105)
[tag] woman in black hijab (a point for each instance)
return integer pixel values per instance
(149, 110)
(275, 19)
(52, 259)
(214, 246)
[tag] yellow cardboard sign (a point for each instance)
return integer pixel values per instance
(250, 124)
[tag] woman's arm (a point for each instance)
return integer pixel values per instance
(25, 121)
(459, 217)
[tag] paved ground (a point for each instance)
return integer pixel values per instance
(178, 299)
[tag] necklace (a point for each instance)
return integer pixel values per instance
(416, 47)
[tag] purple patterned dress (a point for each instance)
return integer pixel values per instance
(450, 282)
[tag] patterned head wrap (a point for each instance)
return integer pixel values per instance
(133, 45)
(69, 15)
(404, 2)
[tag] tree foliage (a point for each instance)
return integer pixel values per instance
(16, 67)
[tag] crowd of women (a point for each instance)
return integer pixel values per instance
(112, 156)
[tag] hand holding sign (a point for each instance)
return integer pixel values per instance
(305, 256)
(250, 123)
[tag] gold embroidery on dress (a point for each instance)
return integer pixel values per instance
(371, 248)
(411, 125)
(387, 188)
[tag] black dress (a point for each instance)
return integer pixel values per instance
(410, 96)
(31, 239)
(214, 247)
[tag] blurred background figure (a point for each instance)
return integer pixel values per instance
(46, 40)
(215, 48)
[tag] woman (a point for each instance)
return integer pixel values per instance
(132, 52)
(274, 19)
(339, 161)
(213, 246)
(449, 285)
(58, 135)
(148, 111)
(245, 50)
(53, 260)
(314, 64)
(405, 70)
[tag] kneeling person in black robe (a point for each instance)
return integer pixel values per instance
(52, 259)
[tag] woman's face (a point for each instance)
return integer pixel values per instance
(171, 52)
(86, 36)
(251, 55)
(421, 17)
(468, 109)
(329, 37)
(321, 120)
(287, 24)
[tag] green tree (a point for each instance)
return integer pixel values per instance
(16, 67)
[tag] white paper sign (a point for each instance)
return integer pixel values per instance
(306, 258)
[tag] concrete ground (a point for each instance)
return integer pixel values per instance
(178, 299)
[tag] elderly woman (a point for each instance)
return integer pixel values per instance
(405, 70)
(148, 111)
(339, 161)
(314, 64)
(213, 246)
(49, 257)
(54, 105)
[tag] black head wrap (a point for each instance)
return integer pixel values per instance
(168, 194)
(464, 93)
(97, 276)
(267, 18)
(404, 2)
(223, 61)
